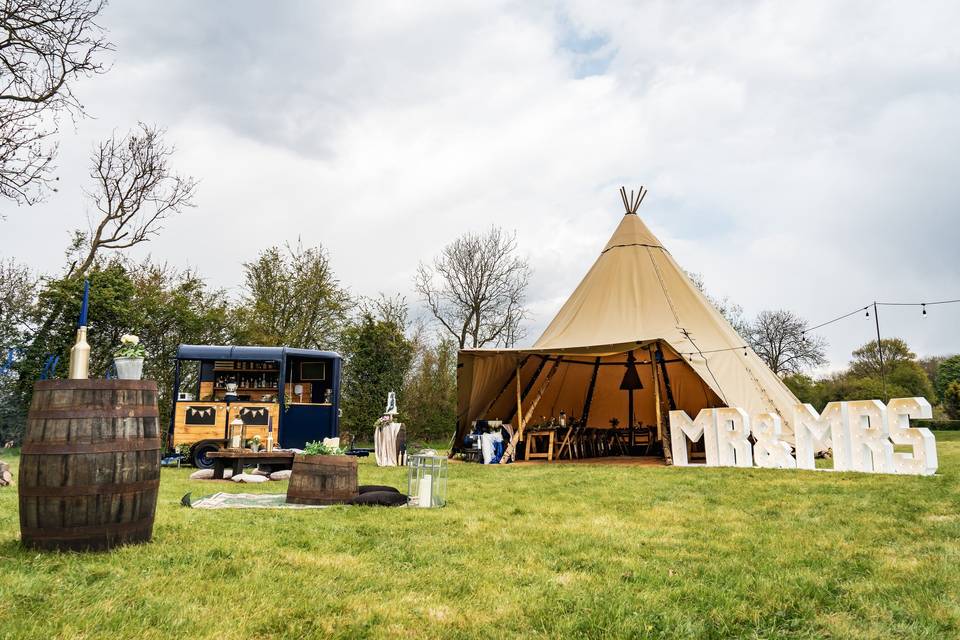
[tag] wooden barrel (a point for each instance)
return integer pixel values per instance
(322, 479)
(90, 464)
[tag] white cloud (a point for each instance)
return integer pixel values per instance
(799, 155)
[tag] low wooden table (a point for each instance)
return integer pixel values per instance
(237, 458)
(532, 439)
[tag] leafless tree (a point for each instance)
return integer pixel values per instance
(135, 191)
(780, 338)
(45, 45)
(476, 288)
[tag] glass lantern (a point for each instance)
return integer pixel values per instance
(427, 480)
(237, 433)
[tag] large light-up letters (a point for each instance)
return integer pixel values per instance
(770, 451)
(682, 427)
(733, 429)
(861, 435)
(923, 459)
(814, 432)
(870, 446)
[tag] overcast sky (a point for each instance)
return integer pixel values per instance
(798, 154)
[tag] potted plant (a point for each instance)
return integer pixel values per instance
(128, 358)
(254, 443)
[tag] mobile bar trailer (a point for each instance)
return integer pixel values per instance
(294, 392)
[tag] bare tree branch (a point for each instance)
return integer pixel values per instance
(135, 191)
(476, 289)
(780, 339)
(45, 45)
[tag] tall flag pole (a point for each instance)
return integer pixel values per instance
(80, 353)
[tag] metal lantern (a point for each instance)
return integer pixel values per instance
(427, 480)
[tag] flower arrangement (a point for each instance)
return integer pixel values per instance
(128, 358)
(383, 420)
(317, 448)
(130, 347)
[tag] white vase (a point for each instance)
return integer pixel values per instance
(129, 368)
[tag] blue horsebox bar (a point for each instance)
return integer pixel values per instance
(299, 398)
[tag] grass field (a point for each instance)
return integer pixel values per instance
(563, 551)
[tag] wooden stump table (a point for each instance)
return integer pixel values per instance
(323, 480)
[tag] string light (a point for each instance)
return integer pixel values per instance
(803, 334)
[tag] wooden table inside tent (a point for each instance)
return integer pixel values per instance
(534, 439)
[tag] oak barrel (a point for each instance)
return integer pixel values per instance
(90, 464)
(322, 479)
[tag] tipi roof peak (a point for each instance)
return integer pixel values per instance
(632, 232)
(632, 203)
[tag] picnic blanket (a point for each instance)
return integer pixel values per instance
(245, 501)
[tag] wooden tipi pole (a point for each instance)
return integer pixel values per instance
(656, 395)
(658, 359)
(526, 390)
(505, 386)
(518, 434)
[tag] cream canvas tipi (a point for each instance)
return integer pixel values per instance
(635, 308)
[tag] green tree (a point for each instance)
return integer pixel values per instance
(377, 356)
(802, 386)
(293, 299)
(948, 371)
(866, 359)
(173, 308)
(162, 306)
(903, 374)
(951, 400)
(430, 393)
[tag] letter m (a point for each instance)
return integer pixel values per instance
(682, 428)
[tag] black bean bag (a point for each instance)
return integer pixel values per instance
(369, 488)
(380, 498)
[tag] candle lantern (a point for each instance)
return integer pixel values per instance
(237, 433)
(427, 480)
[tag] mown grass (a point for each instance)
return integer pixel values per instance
(569, 551)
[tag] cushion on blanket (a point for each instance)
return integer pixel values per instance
(250, 478)
(380, 498)
(369, 488)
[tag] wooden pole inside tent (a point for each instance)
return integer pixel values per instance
(656, 396)
(511, 447)
(667, 452)
(518, 435)
(543, 387)
(589, 399)
(526, 390)
(513, 375)
(519, 404)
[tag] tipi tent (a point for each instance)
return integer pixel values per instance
(635, 309)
